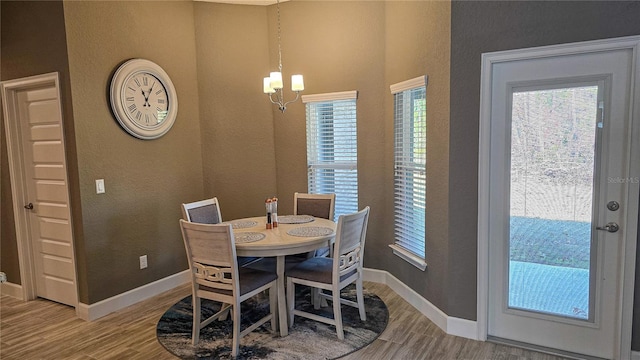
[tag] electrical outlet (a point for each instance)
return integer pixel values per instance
(3, 277)
(143, 262)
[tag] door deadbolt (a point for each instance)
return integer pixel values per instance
(613, 205)
(610, 227)
(29, 206)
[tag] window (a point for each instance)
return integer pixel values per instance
(410, 151)
(332, 151)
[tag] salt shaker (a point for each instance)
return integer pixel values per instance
(274, 211)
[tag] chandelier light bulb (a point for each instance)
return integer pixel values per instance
(297, 83)
(267, 86)
(276, 80)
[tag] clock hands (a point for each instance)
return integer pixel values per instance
(146, 97)
(149, 93)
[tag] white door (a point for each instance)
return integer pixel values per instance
(560, 183)
(39, 180)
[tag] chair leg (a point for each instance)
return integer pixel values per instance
(273, 307)
(291, 300)
(315, 298)
(236, 330)
(195, 332)
(224, 315)
(337, 312)
(360, 297)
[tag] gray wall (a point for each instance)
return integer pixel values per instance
(238, 150)
(203, 155)
(145, 180)
(485, 26)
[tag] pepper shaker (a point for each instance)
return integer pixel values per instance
(268, 206)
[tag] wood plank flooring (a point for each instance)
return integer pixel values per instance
(42, 329)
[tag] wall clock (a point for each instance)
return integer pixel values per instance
(143, 99)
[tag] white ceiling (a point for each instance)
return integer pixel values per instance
(245, 2)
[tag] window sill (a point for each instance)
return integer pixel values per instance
(409, 257)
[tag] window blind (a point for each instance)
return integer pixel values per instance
(410, 141)
(332, 151)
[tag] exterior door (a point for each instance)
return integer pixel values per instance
(559, 201)
(39, 181)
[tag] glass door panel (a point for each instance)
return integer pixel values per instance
(553, 162)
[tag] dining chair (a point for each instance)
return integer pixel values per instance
(318, 205)
(215, 275)
(208, 212)
(204, 211)
(334, 274)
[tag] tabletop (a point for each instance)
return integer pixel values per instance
(286, 239)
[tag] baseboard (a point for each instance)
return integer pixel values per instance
(107, 306)
(462, 327)
(449, 324)
(635, 355)
(11, 289)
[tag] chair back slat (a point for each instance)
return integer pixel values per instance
(211, 254)
(205, 215)
(349, 243)
(314, 207)
(211, 276)
(349, 261)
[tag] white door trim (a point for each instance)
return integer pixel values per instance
(10, 89)
(625, 313)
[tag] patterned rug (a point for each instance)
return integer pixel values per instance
(307, 339)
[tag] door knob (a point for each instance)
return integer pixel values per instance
(29, 206)
(610, 227)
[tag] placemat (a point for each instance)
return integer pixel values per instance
(243, 224)
(295, 219)
(247, 237)
(309, 231)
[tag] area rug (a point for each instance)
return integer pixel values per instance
(307, 339)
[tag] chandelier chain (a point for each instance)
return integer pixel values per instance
(279, 39)
(273, 84)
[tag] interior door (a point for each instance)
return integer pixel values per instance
(559, 163)
(39, 177)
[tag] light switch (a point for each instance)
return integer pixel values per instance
(100, 186)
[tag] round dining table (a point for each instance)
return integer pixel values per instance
(294, 234)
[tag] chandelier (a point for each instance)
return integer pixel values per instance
(273, 84)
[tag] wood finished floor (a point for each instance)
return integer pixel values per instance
(42, 329)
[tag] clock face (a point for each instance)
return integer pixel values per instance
(143, 99)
